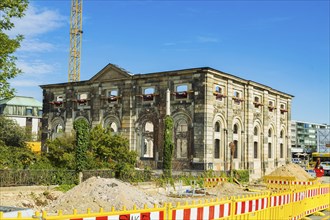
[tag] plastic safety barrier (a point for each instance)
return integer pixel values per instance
(300, 201)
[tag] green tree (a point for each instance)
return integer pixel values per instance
(61, 152)
(111, 150)
(168, 147)
(11, 134)
(9, 9)
(16, 157)
(81, 127)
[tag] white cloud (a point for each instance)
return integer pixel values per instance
(35, 45)
(36, 67)
(24, 83)
(36, 22)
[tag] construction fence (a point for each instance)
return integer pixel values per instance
(296, 203)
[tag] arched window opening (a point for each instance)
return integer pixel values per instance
(113, 127)
(148, 140)
(281, 151)
(216, 148)
(236, 149)
(182, 139)
(255, 149)
(217, 127)
(149, 127)
(255, 131)
(269, 150)
(235, 129)
(281, 134)
(270, 133)
(59, 128)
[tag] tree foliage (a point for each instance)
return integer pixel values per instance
(16, 158)
(61, 152)
(81, 127)
(9, 9)
(11, 134)
(168, 147)
(111, 150)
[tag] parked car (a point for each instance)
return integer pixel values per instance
(312, 173)
(326, 167)
(296, 160)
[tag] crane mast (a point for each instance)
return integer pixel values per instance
(75, 40)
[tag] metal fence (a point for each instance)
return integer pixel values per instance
(59, 177)
(36, 177)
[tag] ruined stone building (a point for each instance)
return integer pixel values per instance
(210, 109)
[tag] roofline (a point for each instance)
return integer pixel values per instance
(172, 71)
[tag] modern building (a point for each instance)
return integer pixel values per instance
(306, 137)
(210, 109)
(26, 111)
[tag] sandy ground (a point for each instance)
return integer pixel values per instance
(96, 193)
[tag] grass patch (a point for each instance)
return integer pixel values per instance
(65, 187)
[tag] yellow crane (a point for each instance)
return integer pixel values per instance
(75, 40)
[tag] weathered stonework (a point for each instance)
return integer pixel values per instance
(210, 109)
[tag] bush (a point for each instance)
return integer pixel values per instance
(11, 134)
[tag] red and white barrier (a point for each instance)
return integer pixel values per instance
(135, 216)
(250, 206)
(298, 216)
(279, 200)
(298, 196)
(312, 192)
(202, 213)
(282, 182)
(302, 183)
(324, 190)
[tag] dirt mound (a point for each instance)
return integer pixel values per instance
(96, 193)
(226, 189)
(291, 170)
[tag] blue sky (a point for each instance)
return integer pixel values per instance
(282, 44)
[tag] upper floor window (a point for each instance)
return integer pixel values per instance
(29, 111)
(283, 109)
(281, 134)
(218, 89)
(181, 92)
(271, 106)
(82, 98)
(218, 93)
(237, 97)
(257, 102)
(148, 94)
(40, 113)
(58, 102)
(112, 95)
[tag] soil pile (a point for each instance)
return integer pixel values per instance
(96, 193)
(226, 189)
(292, 170)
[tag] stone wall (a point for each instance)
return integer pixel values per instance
(210, 109)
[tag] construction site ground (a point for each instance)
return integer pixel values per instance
(96, 193)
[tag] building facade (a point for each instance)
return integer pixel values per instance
(210, 109)
(308, 137)
(26, 111)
